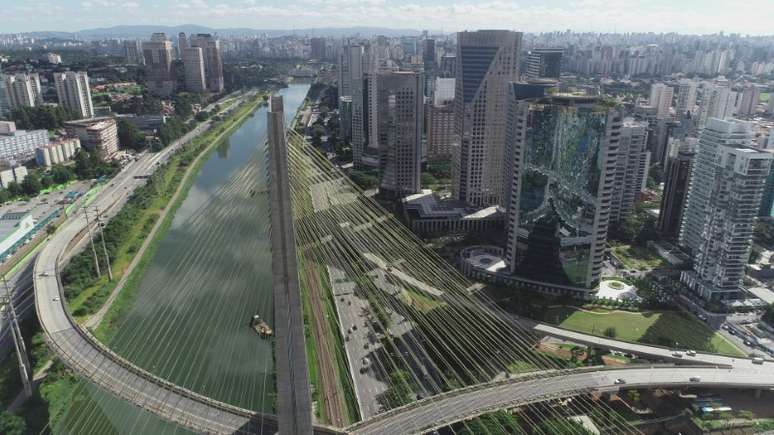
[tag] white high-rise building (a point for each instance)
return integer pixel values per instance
(718, 101)
(19, 90)
(686, 96)
(487, 60)
(400, 103)
(352, 84)
(726, 188)
(661, 99)
(631, 172)
(72, 89)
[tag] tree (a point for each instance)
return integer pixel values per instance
(202, 116)
(41, 117)
(31, 184)
(129, 136)
(61, 174)
(610, 332)
(11, 424)
(14, 189)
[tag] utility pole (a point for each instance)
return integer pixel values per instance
(91, 239)
(18, 342)
(104, 248)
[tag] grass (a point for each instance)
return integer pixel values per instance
(637, 257)
(664, 328)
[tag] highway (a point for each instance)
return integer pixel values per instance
(97, 363)
(442, 410)
(642, 350)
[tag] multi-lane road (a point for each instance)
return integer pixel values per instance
(96, 362)
(448, 408)
(90, 358)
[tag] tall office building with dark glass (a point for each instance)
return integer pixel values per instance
(562, 152)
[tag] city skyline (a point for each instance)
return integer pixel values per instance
(618, 16)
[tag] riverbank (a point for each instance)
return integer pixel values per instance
(115, 309)
(147, 210)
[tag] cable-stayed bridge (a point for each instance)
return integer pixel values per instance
(440, 353)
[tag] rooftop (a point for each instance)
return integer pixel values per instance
(430, 206)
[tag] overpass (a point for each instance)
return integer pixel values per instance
(98, 364)
(642, 350)
(88, 357)
(458, 405)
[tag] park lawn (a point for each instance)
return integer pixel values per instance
(664, 328)
(637, 257)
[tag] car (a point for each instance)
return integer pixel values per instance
(677, 354)
(747, 343)
(55, 299)
(695, 379)
(690, 352)
(43, 273)
(757, 360)
(619, 381)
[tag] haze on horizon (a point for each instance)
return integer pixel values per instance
(752, 17)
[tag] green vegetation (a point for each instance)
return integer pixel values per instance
(638, 227)
(60, 388)
(11, 424)
(663, 328)
(437, 176)
(637, 257)
(366, 179)
(400, 392)
(41, 117)
(129, 137)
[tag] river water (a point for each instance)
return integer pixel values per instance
(210, 274)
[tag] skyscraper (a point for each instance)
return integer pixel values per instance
(562, 155)
(428, 54)
(724, 198)
(213, 64)
(317, 48)
(400, 103)
(749, 100)
(486, 61)
(19, 90)
(717, 101)
(351, 84)
(544, 63)
(661, 99)
(158, 60)
(676, 180)
(767, 203)
(182, 44)
(440, 132)
(686, 96)
(193, 62)
(133, 52)
(73, 92)
(631, 171)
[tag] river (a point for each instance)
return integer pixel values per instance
(210, 274)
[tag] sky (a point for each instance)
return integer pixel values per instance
(755, 17)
